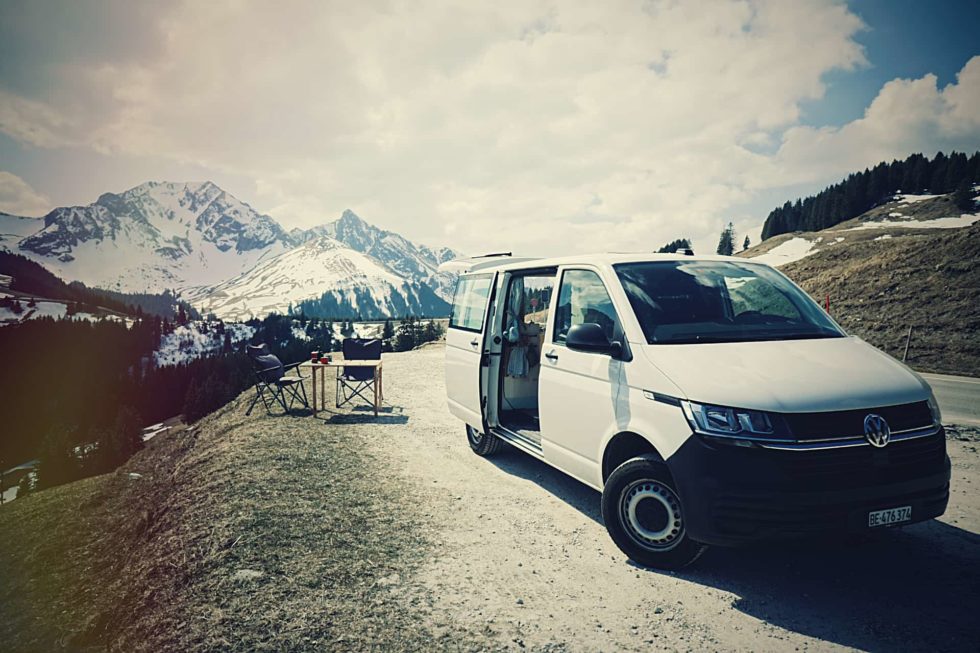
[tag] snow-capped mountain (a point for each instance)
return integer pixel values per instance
(225, 257)
(416, 263)
(156, 236)
(338, 280)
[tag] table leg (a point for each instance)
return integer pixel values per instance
(381, 382)
(376, 374)
(313, 377)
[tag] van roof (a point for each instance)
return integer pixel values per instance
(505, 263)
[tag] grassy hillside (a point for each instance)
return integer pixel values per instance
(244, 534)
(883, 277)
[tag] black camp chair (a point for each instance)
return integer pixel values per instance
(354, 381)
(271, 382)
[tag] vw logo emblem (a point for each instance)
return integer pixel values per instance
(876, 430)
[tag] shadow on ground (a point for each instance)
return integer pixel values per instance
(915, 588)
(364, 415)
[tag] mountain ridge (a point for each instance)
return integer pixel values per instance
(195, 237)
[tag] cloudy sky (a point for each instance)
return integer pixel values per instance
(540, 127)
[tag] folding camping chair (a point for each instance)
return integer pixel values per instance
(271, 382)
(353, 381)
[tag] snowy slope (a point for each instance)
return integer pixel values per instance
(13, 228)
(196, 340)
(416, 263)
(353, 282)
(156, 236)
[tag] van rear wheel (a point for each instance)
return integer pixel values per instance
(644, 516)
(482, 444)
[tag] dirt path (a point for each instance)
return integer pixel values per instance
(522, 559)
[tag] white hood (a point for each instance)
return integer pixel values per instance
(788, 375)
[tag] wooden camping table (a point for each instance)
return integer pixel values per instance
(321, 368)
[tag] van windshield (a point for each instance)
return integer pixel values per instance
(684, 302)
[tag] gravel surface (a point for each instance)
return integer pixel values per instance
(520, 557)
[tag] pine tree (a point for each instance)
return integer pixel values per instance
(963, 197)
(746, 244)
(726, 243)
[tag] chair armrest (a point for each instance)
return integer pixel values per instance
(295, 366)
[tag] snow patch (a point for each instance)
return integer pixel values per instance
(894, 214)
(964, 220)
(885, 237)
(912, 199)
(793, 249)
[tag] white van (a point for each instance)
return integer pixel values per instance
(708, 398)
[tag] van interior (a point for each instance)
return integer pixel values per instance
(525, 318)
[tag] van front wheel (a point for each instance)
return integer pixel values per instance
(482, 444)
(644, 517)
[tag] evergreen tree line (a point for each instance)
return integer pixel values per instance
(862, 191)
(674, 245)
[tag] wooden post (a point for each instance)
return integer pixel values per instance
(908, 339)
(826, 303)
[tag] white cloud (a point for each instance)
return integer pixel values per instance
(906, 116)
(546, 126)
(18, 198)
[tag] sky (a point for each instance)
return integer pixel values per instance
(539, 127)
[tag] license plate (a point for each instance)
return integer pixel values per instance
(889, 517)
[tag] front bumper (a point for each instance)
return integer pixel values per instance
(733, 495)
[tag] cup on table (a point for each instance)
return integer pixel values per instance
(314, 355)
(324, 359)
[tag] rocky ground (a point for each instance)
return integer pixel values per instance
(346, 532)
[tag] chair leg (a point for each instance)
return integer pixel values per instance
(355, 391)
(258, 395)
(281, 396)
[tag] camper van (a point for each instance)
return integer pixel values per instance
(709, 399)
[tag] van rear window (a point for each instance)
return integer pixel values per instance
(470, 302)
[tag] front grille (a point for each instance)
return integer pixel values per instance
(748, 514)
(866, 465)
(850, 423)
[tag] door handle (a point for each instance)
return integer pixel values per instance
(475, 342)
(551, 356)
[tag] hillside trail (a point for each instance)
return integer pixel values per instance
(520, 557)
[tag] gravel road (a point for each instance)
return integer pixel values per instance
(522, 561)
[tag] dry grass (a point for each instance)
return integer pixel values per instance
(244, 534)
(928, 279)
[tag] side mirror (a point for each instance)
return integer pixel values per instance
(590, 337)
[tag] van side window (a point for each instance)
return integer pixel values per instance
(470, 302)
(583, 299)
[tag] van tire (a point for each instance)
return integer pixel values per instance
(482, 444)
(640, 480)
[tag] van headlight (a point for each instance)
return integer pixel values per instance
(937, 415)
(723, 421)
